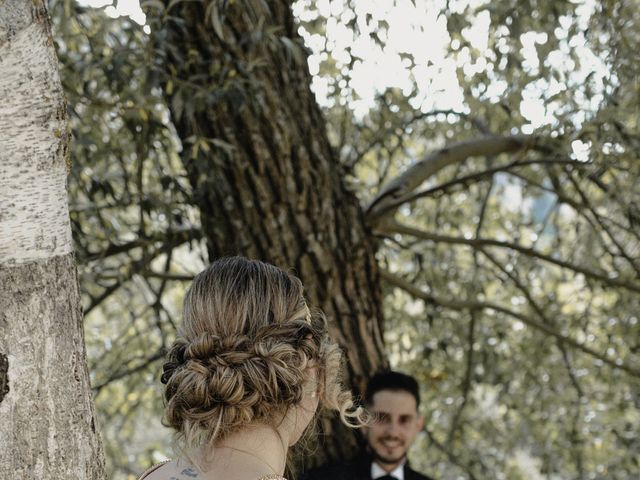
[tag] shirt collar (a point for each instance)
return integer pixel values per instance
(377, 471)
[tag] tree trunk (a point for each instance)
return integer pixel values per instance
(47, 429)
(266, 179)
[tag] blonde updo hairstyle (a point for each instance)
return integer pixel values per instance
(242, 352)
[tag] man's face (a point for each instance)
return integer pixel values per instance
(394, 428)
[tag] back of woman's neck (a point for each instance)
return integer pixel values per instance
(251, 453)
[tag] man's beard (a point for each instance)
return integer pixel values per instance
(388, 460)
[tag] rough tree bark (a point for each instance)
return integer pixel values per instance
(47, 427)
(266, 179)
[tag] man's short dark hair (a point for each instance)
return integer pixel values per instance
(390, 380)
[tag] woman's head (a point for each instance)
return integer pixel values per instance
(248, 351)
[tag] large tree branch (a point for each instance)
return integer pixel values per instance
(415, 175)
(175, 277)
(130, 371)
(392, 205)
(173, 238)
(429, 298)
(381, 134)
(140, 266)
(391, 227)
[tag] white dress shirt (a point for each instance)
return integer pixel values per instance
(377, 471)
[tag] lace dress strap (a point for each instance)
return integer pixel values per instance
(272, 476)
(152, 469)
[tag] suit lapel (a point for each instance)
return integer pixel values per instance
(362, 469)
(408, 473)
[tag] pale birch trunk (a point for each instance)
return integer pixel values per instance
(47, 426)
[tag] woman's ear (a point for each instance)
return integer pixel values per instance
(311, 387)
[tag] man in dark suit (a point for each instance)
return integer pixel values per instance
(393, 399)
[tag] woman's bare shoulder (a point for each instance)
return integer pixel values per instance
(170, 470)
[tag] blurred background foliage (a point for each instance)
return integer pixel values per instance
(511, 281)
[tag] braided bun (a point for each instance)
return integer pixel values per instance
(243, 351)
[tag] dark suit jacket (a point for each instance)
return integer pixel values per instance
(358, 470)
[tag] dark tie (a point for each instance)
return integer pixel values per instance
(387, 477)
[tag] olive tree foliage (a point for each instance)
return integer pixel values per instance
(521, 260)
(508, 243)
